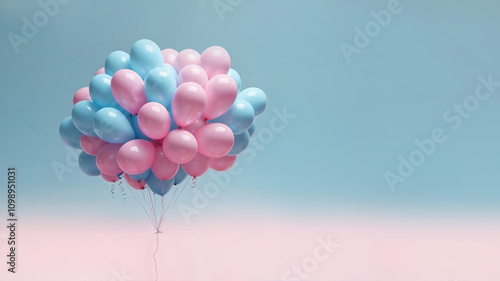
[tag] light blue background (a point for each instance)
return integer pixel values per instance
(352, 120)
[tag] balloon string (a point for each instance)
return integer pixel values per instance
(141, 202)
(194, 181)
(154, 258)
(113, 190)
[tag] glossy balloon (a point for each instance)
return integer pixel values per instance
(169, 56)
(83, 117)
(188, 103)
(214, 140)
(160, 85)
(112, 126)
(154, 120)
(87, 164)
(162, 167)
(158, 186)
(138, 133)
(221, 91)
(128, 90)
(185, 58)
(236, 77)
(135, 184)
(136, 156)
(91, 145)
(180, 146)
(145, 55)
(256, 97)
(115, 61)
(239, 117)
(197, 166)
(106, 159)
(81, 94)
(215, 60)
(222, 163)
(69, 133)
(192, 73)
(241, 142)
(100, 92)
(141, 176)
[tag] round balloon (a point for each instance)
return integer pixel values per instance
(214, 140)
(180, 146)
(221, 91)
(100, 92)
(188, 103)
(145, 55)
(162, 167)
(127, 88)
(222, 163)
(160, 85)
(136, 156)
(169, 56)
(110, 178)
(83, 117)
(215, 60)
(154, 120)
(239, 117)
(115, 61)
(91, 145)
(69, 133)
(256, 97)
(192, 73)
(186, 57)
(112, 126)
(87, 164)
(236, 77)
(158, 186)
(81, 94)
(135, 184)
(197, 166)
(141, 176)
(106, 159)
(241, 142)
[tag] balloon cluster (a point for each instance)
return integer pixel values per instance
(154, 117)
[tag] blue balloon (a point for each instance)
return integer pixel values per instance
(158, 186)
(141, 176)
(69, 133)
(138, 133)
(160, 85)
(145, 55)
(100, 92)
(180, 176)
(113, 126)
(241, 142)
(256, 97)
(115, 61)
(239, 117)
(251, 130)
(83, 117)
(236, 77)
(88, 165)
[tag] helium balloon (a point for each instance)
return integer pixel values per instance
(185, 58)
(236, 77)
(215, 60)
(160, 85)
(180, 176)
(162, 167)
(154, 120)
(200, 122)
(91, 145)
(136, 156)
(69, 133)
(192, 73)
(221, 91)
(83, 117)
(241, 142)
(180, 146)
(256, 97)
(110, 178)
(112, 126)
(214, 140)
(197, 166)
(158, 186)
(251, 130)
(100, 71)
(141, 176)
(145, 55)
(87, 164)
(222, 163)
(138, 133)
(100, 91)
(188, 103)
(239, 117)
(81, 94)
(169, 56)
(128, 90)
(115, 61)
(135, 184)
(106, 159)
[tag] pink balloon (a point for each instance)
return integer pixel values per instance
(214, 140)
(81, 94)
(192, 73)
(188, 103)
(198, 166)
(162, 167)
(100, 71)
(91, 145)
(154, 120)
(106, 159)
(215, 60)
(222, 163)
(136, 156)
(186, 57)
(221, 91)
(127, 88)
(200, 122)
(169, 56)
(110, 178)
(180, 146)
(135, 184)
